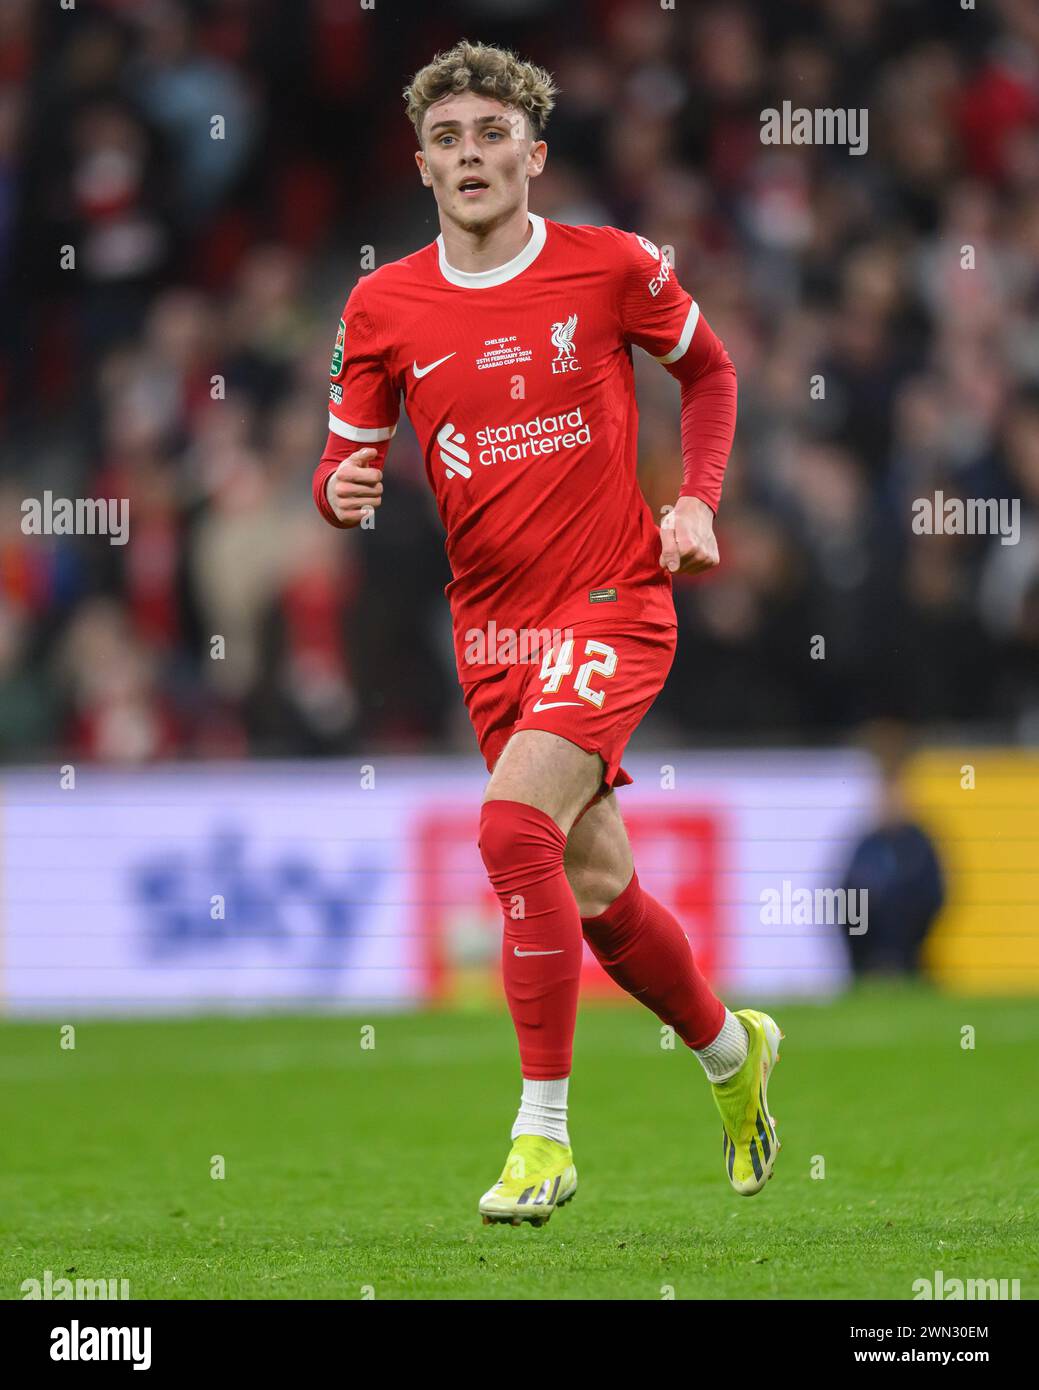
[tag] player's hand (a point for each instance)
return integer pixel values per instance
(354, 487)
(687, 539)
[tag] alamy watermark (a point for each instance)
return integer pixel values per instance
(971, 516)
(510, 646)
(78, 1342)
(79, 516)
(811, 907)
(50, 1288)
(952, 1289)
(820, 125)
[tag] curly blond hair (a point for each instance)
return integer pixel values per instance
(492, 72)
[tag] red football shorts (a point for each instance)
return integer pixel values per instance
(594, 689)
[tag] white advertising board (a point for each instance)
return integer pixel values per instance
(297, 886)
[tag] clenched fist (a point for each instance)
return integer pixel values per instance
(354, 487)
(687, 540)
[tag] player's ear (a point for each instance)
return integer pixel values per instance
(536, 158)
(420, 160)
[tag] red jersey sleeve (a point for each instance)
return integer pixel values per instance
(656, 313)
(363, 402)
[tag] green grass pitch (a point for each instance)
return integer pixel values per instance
(351, 1171)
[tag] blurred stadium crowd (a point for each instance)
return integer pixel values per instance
(182, 363)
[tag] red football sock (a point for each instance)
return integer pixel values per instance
(522, 849)
(641, 946)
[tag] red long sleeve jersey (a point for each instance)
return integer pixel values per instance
(519, 384)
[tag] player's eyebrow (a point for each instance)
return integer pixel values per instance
(480, 120)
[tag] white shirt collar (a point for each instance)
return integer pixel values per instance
(484, 279)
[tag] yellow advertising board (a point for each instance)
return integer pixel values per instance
(981, 806)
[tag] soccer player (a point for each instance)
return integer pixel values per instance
(510, 339)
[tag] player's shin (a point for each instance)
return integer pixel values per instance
(522, 849)
(643, 948)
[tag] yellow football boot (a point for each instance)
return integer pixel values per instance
(749, 1140)
(539, 1175)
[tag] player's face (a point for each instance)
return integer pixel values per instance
(477, 157)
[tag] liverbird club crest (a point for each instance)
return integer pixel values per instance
(563, 342)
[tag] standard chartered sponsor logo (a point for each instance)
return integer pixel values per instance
(528, 439)
(452, 455)
(545, 434)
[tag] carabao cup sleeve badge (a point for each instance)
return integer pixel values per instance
(337, 352)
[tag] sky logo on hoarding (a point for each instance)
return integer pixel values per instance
(226, 899)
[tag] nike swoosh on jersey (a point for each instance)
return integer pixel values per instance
(424, 371)
(553, 704)
(517, 952)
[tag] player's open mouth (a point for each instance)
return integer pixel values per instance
(469, 188)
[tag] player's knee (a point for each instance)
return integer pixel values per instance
(515, 836)
(494, 834)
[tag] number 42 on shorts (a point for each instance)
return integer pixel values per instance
(558, 664)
